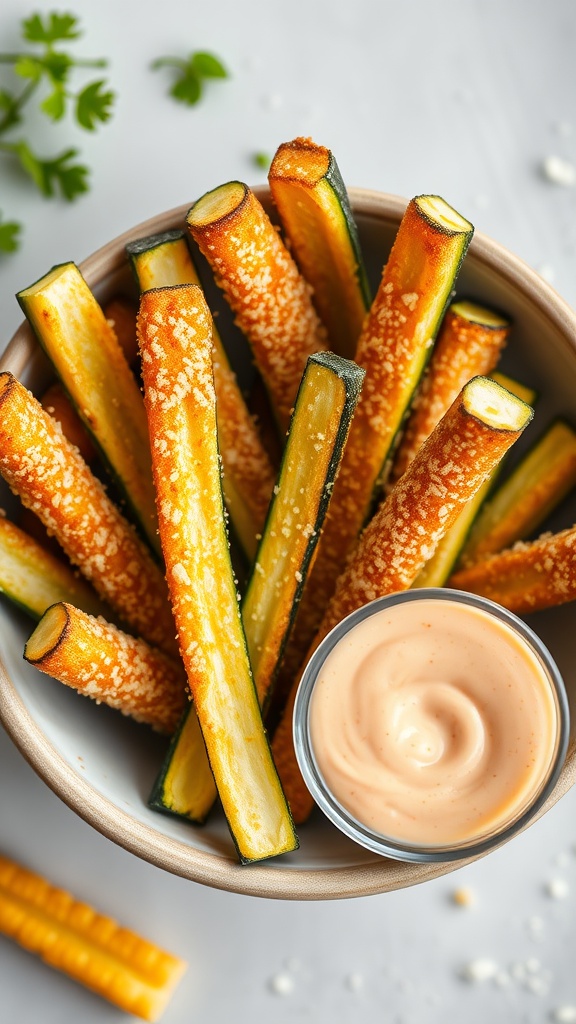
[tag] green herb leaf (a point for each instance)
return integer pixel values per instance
(262, 160)
(57, 66)
(206, 65)
(9, 231)
(54, 106)
(55, 27)
(93, 105)
(191, 73)
(29, 67)
(56, 175)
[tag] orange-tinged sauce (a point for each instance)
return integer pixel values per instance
(433, 723)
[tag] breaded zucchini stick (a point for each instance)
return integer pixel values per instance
(78, 339)
(100, 661)
(469, 441)
(469, 343)
(393, 349)
(34, 579)
(89, 947)
(248, 478)
(53, 480)
(263, 286)
(175, 328)
(528, 577)
(313, 205)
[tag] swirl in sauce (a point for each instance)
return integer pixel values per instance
(433, 723)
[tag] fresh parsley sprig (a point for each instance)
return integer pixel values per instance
(49, 68)
(192, 73)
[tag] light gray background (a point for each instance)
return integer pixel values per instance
(464, 99)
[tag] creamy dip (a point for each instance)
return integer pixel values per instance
(433, 723)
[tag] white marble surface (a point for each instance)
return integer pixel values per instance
(461, 98)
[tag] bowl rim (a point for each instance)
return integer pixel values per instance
(288, 882)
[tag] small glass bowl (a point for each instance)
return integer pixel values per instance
(392, 847)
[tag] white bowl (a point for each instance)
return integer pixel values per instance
(103, 766)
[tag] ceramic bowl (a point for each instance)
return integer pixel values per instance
(103, 765)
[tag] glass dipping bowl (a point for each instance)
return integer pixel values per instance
(393, 847)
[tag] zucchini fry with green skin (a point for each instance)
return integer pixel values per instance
(89, 947)
(451, 465)
(438, 568)
(469, 343)
(34, 579)
(393, 349)
(78, 339)
(52, 480)
(314, 209)
(540, 481)
(527, 578)
(318, 431)
(162, 260)
(100, 661)
(175, 330)
(263, 286)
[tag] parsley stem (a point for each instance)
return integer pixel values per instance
(8, 120)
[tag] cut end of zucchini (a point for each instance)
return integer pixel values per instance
(217, 204)
(493, 405)
(438, 213)
(153, 241)
(302, 161)
(47, 634)
(479, 314)
(523, 391)
(39, 286)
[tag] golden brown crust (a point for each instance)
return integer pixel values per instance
(100, 661)
(449, 468)
(52, 480)
(270, 299)
(527, 577)
(464, 349)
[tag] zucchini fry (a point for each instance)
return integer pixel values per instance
(314, 209)
(175, 330)
(462, 451)
(34, 579)
(393, 348)
(162, 260)
(528, 577)
(438, 568)
(89, 947)
(320, 423)
(52, 479)
(469, 344)
(100, 661)
(263, 287)
(120, 313)
(521, 504)
(57, 404)
(78, 339)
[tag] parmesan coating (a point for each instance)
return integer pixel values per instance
(175, 330)
(396, 337)
(449, 468)
(100, 661)
(465, 348)
(529, 576)
(52, 480)
(265, 290)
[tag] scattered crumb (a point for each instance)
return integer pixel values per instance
(481, 969)
(547, 272)
(354, 982)
(464, 897)
(564, 1014)
(557, 888)
(559, 171)
(281, 984)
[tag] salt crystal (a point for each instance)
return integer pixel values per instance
(564, 1014)
(282, 984)
(557, 888)
(559, 171)
(481, 969)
